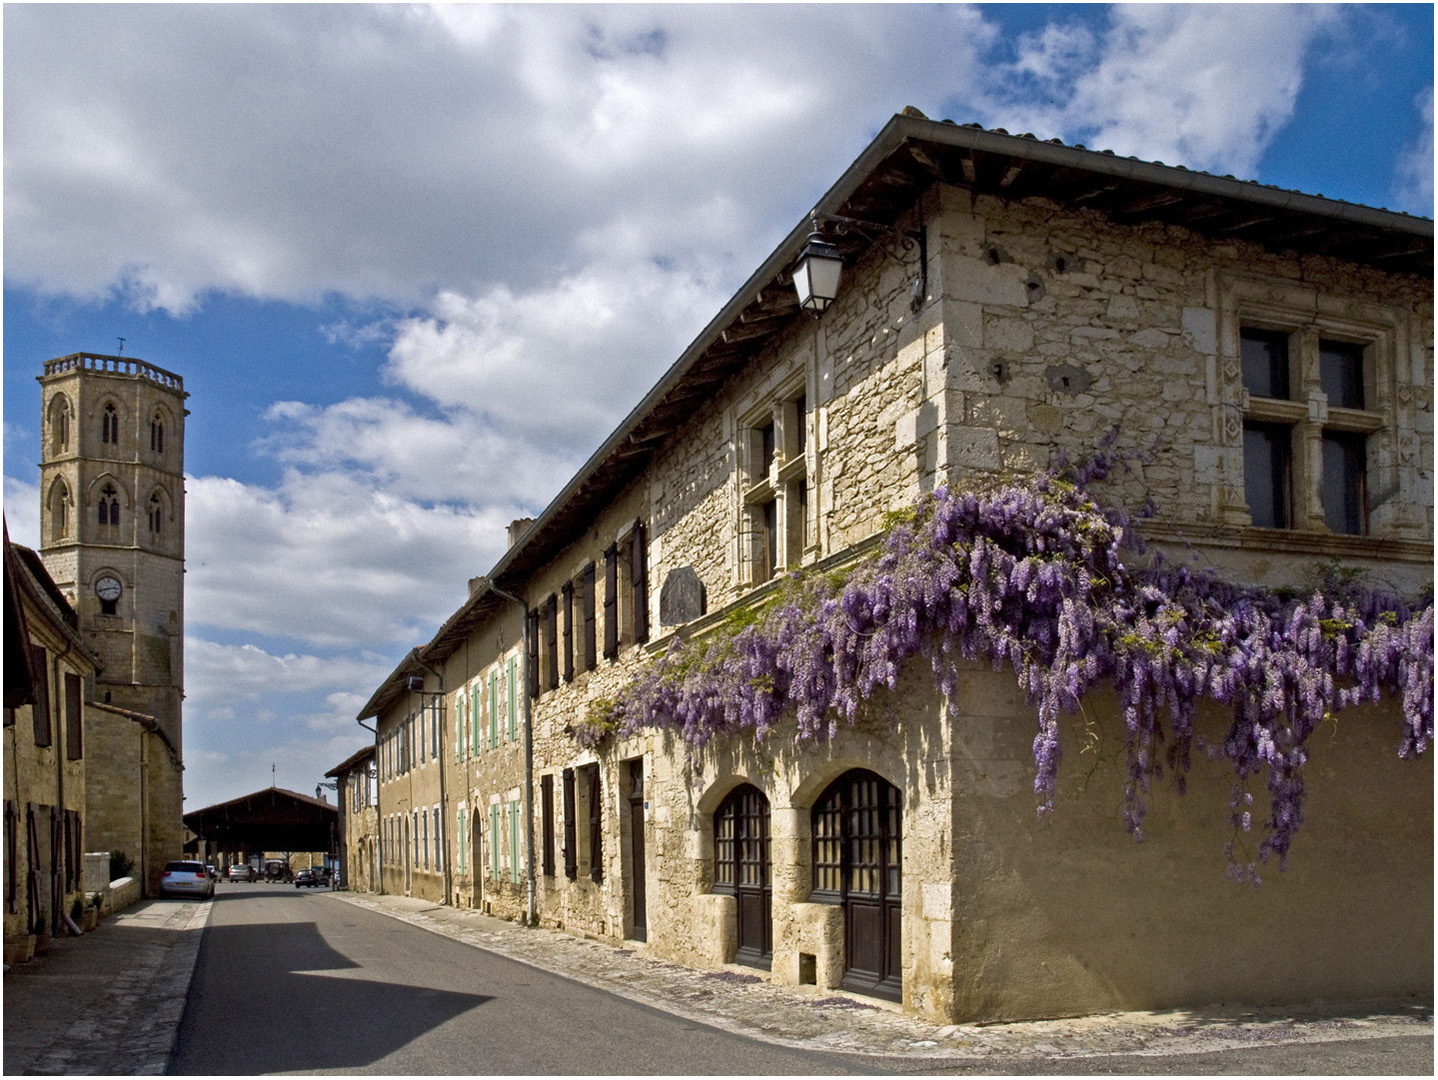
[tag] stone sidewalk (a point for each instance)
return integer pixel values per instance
(744, 1002)
(108, 1003)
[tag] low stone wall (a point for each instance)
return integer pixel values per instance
(123, 892)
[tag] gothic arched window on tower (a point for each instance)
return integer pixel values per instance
(109, 506)
(156, 514)
(60, 425)
(110, 426)
(157, 433)
(59, 511)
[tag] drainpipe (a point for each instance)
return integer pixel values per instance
(532, 918)
(443, 799)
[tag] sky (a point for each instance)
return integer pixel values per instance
(415, 263)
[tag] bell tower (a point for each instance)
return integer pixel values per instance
(112, 535)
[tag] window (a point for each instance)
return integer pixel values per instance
(109, 506)
(571, 850)
(438, 841)
(424, 838)
(436, 725)
(551, 642)
(774, 444)
(110, 426)
(74, 719)
(59, 511)
(514, 840)
(494, 841)
(475, 716)
(546, 810)
(421, 732)
(589, 606)
(626, 591)
(531, 655)
(156, 515)
(461, 743)
(1323, 386)
(461, 841)
(157, 433)
(59, 424)
(493, 709)
(567, 649)
(594, 804)
(41, 706)
(611, 601)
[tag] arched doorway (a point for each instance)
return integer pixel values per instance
(858, 864)
(742, 868)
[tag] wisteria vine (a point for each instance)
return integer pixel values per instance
(1032, 576)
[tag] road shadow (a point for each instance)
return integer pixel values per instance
(263, 1001)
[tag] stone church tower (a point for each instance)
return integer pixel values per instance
(112, 524)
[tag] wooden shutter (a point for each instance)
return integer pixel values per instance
(590, 658)
(532, 655)
(551, 642)
(493, 709)
(512, 700)
(571, 855)
(41, 707)
(639, 580)
(611, 602)
(568, 592)
(596, 830)
(74, 719)
(514, 841)
(546, 810)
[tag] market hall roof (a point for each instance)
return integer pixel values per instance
(905, 158)
(274, 819)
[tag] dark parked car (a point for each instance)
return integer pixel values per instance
(306, 878)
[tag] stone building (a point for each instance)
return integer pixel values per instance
(112, 526)
(1004, 301)
(48, 663)
(357, 795)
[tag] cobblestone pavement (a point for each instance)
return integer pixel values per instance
(108, 1003)
(745, 1002)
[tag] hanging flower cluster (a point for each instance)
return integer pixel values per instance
(1032, 577)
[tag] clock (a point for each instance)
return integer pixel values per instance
(108, 588)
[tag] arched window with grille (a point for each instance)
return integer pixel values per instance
(858, 864)
(110, 425)
(742, 868)
(109, 507)
(59, 511)
(157, 432)
(59, 424)
(156, 514)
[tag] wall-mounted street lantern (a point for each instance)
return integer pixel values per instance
(816, 274)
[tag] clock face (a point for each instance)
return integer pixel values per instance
(108, 588)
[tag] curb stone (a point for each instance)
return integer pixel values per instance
(747, 1003)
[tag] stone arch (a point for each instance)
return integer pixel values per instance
(159, 513)
(108, 503)
(60, 510)
(60, 421)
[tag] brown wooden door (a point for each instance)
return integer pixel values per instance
(742, 866)
(858, 862)
(636, 848)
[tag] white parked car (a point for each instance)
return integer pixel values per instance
(187, 879)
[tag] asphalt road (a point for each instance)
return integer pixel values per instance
(292, 980)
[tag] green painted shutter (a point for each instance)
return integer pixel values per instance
(513, 700)
(459, 743)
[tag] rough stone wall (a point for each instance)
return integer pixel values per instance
(114, 794)
(1066, 914)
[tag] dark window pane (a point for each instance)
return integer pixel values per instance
(1340, 370)
(769, 556)
(1345, 483)
(1266, 471)
(766, 447)
(1265, 362)
(801, 434)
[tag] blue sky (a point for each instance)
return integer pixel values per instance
(371, 239)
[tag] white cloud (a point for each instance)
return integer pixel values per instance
(22, 512)
(327, 560)
(1415, 167)
(1206, 86)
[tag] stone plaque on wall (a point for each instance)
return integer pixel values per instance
(681, 599)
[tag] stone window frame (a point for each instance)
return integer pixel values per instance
(1307, 315)
(60, 416)
(775, 512)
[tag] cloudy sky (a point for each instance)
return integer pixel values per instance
(415, 263)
